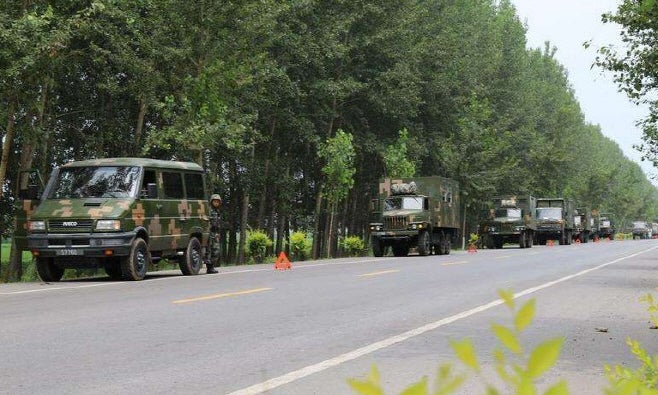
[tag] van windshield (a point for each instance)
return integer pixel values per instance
(96, 182)
(549, 213)
(408, 203)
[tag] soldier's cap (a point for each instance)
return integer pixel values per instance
(216, 197)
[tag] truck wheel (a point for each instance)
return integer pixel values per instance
(48, 271)
(377, 247)
(401, 250)
(522, 240)
(191, 262)
(424, 244)
(135, 265)
(447, 244)
(498, 243)
(529, 241)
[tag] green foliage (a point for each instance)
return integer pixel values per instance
(353, 245)
(300, 246)
(396, 158)
(520, 372)
(473, 239)
(257, 244)
(338, 155)
(643, 380)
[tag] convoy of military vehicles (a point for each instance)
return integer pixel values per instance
(122, 214)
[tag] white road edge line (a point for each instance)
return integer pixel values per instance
(359, 352)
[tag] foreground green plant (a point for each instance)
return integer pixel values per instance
(643, 380)
(353, 245)
(300, 246)
(518, 369)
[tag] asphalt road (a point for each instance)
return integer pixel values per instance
(253, 329)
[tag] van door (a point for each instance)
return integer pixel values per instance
(28, 192)
(175, 212)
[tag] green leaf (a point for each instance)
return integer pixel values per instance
(525, 315)
(507, 297)
(420, 388)
(508, 338)
(544, 356)
(560, 388)
(526, 387)
(465, 352)
(369, 386)
(365, 387)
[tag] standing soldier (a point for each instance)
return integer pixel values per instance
(212, 256)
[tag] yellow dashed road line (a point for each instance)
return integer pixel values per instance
(217, 296)
(453, 263)
(378, 273)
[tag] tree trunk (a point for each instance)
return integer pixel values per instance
(316, 227)
(140, 126)
(8, 140)
(329, 230)
(243, 226)
(14, 271)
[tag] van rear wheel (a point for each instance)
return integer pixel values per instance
(192, 261)
(135, 265)
(48, 271)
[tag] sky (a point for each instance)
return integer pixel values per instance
(567, 24)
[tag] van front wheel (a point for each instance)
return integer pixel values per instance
(48, 271)
(135, 265)
(192, 261)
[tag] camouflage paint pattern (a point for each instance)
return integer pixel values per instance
(167, 224)
(561, 229)
(497, 230)
(437, 221)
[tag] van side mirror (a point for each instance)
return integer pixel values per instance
(152, 190)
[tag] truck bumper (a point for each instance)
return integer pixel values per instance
(402, 235)
(79, 247)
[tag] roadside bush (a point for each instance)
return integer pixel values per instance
(257, 244)
(623, 236)
(473, 240)
(300, 246)
(353, 246)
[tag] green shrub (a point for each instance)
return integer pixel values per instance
(300, 246)
(257, 244)
(473, 240)
(353, 245)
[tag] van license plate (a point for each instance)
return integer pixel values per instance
(68, 252)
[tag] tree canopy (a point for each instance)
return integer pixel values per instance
(254, 89)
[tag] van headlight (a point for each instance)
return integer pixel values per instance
(376, 227)
(37, 226)
(108, 225)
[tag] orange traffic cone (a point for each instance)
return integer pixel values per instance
(282, 262)
(472, 248)
(578, 240)
(550, 243)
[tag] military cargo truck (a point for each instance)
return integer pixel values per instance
(605, 227)
(555, 217)
(641, 230)
(420, 212)
(582, 224)
(120, 214)
(511, 220)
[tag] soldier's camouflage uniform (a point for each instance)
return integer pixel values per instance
(212, 257)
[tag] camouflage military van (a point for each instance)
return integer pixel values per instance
(120, 214)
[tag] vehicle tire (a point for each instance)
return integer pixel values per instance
(377, 247)
(48, 271)
(192, 261)
(424, 243)
(400, 250)
(490, 243)
(530, 240)
(113, 269)
(498, 243)
(523, 240)
(135, 265)
(447, 245)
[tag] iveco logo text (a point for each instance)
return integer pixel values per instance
(69, 223)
